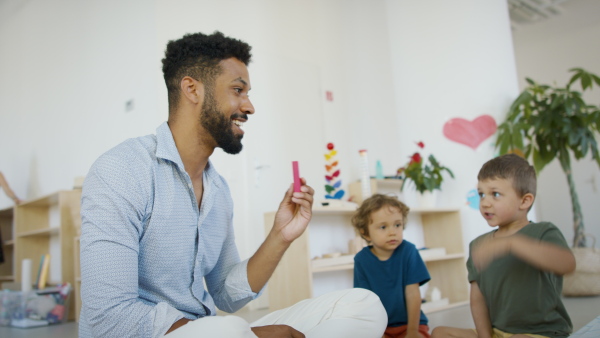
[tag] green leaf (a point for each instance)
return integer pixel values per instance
(574, 78)
(586, 81)
(523, 99)
(517, 139)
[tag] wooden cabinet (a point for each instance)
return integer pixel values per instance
(301, 275)
(46, 225)
(7, 245)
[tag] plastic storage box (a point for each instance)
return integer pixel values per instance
(35, 308)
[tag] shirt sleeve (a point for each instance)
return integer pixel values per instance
(113, 213)
(472, 272)
(360, 277)
(553, 235)
(228, 282)
(416, 270)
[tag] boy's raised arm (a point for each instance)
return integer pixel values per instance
(545, 256)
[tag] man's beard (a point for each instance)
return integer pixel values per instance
(214, 121)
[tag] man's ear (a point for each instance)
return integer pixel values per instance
(527, 201)
(192, 89)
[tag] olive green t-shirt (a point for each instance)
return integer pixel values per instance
(521, 298)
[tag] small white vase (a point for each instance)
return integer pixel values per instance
(427, 199)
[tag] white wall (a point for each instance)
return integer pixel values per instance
(398, 71)
(454, 59)
(545, 52)
(67, 69)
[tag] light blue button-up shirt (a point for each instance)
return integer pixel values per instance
(146, 247)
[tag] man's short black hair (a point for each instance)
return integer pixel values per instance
(198, 55)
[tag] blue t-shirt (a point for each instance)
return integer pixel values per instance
(388, 279)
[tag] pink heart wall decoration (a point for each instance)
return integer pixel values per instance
(470, 133)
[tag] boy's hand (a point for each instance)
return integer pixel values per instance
(489, 249)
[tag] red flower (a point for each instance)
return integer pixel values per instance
(421, 145)
(416, 158)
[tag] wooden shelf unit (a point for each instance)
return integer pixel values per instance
(46, 225)
(7, 244)
(377, 185)
(294, 277)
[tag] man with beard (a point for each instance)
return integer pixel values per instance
(157, 221)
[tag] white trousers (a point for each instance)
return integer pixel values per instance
(350, 313)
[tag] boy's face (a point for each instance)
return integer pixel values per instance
(386, 231)
(499, 203)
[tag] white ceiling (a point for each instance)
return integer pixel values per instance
(551, 17)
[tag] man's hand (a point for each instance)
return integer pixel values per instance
(294, 213)
(276, 331)
(291, 220)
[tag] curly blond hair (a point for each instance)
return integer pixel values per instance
(362, 216)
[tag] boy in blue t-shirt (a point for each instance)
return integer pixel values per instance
(390, 266)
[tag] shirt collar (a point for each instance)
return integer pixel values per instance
(167, 150)
(165, 145)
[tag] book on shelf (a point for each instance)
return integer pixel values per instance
(43, 272)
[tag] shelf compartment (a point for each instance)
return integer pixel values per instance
(444, 257)
(339, 267)
(40, 232)
(343, 262)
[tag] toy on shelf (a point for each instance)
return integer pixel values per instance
(333, 182)
(365, 180)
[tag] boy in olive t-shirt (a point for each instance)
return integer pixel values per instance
(516, 270)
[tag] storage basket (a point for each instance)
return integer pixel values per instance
(585, 280)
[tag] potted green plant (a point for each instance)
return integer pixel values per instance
(427, 177)
(547, 122)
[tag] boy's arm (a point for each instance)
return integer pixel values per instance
(413, 309)
(543, 255)
(480, 313)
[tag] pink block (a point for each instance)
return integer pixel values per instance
(297, 183)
